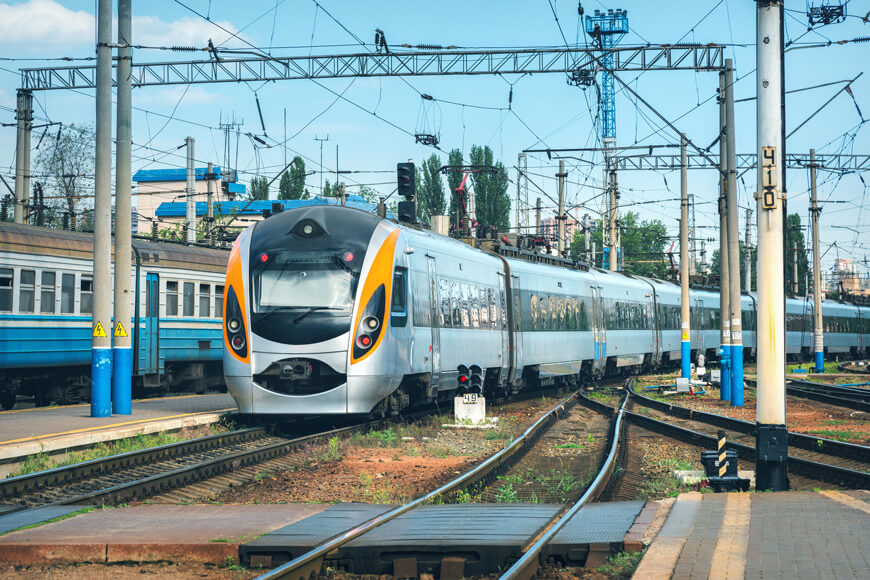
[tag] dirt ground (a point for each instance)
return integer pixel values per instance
(802, 415)
(390, 466)
(180, 571)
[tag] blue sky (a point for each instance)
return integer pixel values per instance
(546, 112)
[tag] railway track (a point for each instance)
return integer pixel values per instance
(843, 464)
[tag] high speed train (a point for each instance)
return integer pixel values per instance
(332, 310)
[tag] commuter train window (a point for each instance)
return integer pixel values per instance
(204, 300)
(47, 292)
(474, 307)
(6, 276)
(67, 294)
(86, 288)
(399, 300)
(483, 304)
(171, 298)
(493, 308)
(563, 313)
(534, 309)
(188, 298)
(456, 304)
(26, 291)
(444, 290)
(466, 319)
(584, 316)
(218, 301)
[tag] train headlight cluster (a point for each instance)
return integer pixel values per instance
(234, 326)
(369, 328)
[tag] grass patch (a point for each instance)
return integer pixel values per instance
(42, 461)
(659, 488)
(51, 521)
(384, 438)
(621, 565)
(836, 435)
(674, 464)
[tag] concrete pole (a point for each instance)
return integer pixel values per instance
(209, 210)
(190, 192)
(24, 116)
(818, 335)
(122, 374)
(613, 258)
(685, 344)
(587, 237)
(101, 352)
(724, 287)
(538, 218)
(747, 257)
(733, 243)
(771, 433)
(795, 286)
(517, 208)
(560, 219)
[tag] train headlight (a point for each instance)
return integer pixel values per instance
(372, 323)
(307, 229)
(369, 327)
(238, 342)
(364, 341)
(234, 324)
(235, 330)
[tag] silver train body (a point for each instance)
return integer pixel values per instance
(330, 310)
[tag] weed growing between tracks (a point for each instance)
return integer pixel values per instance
(42, 461)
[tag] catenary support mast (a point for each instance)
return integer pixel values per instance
(818, 335)
(771, 433)
(724, 288)
(733, 243)
(685, 344)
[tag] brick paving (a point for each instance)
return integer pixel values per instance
(697, 555)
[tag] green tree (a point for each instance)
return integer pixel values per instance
(68, 166)
(329, 190)
(454, 178)
(292, 185)
(715, 265)
(492, 202)
(430, 189)
(259, 188)
(794, 241)
(369, 194)
(642, 242)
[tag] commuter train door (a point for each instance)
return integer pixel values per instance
(500, 322)
(516, 328)
(149, 355)
(599, 332)
(435, 326)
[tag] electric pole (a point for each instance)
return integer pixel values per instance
(122, 372)
(771, 432)
(733, 243)
(190, 192)
(685, 344)
(747, 258)
(24, 118)
(316, 138)
(815, 210)
(560, 219)
(724, 287)
(538, 217)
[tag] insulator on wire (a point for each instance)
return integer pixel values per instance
(183, 48)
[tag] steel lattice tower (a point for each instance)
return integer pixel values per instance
(606, 30)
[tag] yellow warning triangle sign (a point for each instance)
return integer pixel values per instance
(119, 330)
(99, 331)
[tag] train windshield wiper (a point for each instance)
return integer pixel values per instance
(313, 309)
(277, 309)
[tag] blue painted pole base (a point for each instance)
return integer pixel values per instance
(122, 379)
(820, 362)
(725, 374)
(686, 359)
(737, 375)
(101, 382)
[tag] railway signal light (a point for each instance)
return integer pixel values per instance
(476, 378)
(463, 376)
(406, 175)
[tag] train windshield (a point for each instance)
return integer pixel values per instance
(289, 281)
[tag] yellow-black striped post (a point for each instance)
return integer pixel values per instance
(723, 461)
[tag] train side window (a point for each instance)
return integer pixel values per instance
(474, 307)
(466, 295)
(456, 304)
(484, 307)
(204, 300)
(218, 301)
(188, 298)
(444, 295)
(399, 301)
(86, 289)
(47, 292)
(6, 276)
(493, 308)
(67, 294)
(26, 290)
(171, 298)
(534, 311)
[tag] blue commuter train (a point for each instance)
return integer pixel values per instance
(46, 299)
(332, 310)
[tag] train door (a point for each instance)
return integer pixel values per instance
(502, 325)
(149, 342)
(435, 326)
(599, 333)
(657, 332)
(516, 326)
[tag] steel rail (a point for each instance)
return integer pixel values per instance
(799, 440)
(303, 565)
(16, 486)
(529, 562)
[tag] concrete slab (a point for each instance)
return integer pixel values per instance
(51, 429)
(601, 524)
(19, 519)
(197, 533)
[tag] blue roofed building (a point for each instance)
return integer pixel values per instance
(155, 187)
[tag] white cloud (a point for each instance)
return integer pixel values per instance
(35, 25)
(41, 23)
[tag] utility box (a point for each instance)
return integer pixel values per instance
(682, 385)
(716, 376)
(470, 408)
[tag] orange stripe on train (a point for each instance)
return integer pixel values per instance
(381, 272)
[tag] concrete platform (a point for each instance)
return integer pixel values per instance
(51, 429)
(145, 533)
(793, 535)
